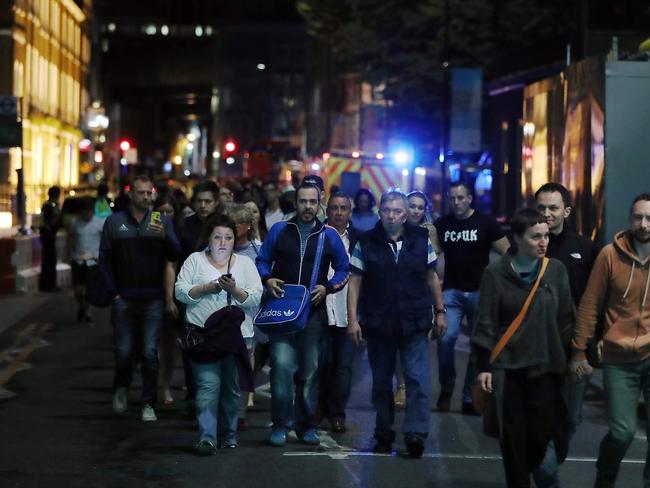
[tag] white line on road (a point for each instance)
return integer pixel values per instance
(344, 454)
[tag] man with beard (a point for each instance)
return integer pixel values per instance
(288, 256)
(617, 296)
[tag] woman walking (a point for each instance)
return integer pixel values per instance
(528, 295)
(208, 282)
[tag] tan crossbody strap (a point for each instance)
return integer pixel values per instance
(520, 317)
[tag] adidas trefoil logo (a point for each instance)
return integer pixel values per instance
(123, 228)
(288, 313)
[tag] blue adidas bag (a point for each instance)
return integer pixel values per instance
(290, 312)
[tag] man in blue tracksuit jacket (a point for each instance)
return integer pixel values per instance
(287, 256)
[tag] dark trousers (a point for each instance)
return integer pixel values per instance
(47, 279)
(190, 380)
(530, 417)
(416, 365)
(136, 327)
(336, 372)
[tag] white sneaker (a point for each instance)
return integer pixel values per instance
(120, 400)
(148, 414)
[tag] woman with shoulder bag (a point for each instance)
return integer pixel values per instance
(208, 283)
(521, 338)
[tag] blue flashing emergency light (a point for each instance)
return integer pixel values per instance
(403, 155)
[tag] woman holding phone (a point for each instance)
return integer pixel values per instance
(206, 281)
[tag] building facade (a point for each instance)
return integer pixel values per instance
(45, 50)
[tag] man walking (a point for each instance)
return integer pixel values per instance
(205, 198)
(339, 348)
(617, 297)
(467, 237)
(133, 255)
(578, 254)
(288, 256)
(396, 286)
(50, 224)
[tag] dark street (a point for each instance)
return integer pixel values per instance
(59, 429)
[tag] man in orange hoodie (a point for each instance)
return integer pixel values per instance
(617, 295)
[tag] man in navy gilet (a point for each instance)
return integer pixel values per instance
(394, 287)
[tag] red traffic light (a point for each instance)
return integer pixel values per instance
(230, 146)
(125, 145)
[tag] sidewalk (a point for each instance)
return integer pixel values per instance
(16, 306)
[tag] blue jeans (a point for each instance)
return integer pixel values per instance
(336, 372)
(294, 362)
(416, 365)
(623, 385)
(137, 324)
(217, 398)
(459, 304)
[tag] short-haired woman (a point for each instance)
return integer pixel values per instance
(528, 376)
(204, 283)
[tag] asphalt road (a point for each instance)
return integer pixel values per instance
(58, 429)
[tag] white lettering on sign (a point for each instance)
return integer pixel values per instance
(463, 235)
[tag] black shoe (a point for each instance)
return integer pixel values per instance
(81, 313)
(229, 444)
(337, 425)
(468, 409)
(414, 445)
(444, 401)
(383, 447)
(205, 448)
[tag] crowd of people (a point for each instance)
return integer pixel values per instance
(546, 301)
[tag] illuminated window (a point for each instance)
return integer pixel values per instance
(18, 78)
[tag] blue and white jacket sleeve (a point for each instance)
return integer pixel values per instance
(266, 257)
(340, 262)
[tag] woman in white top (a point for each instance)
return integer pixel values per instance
(203, 284)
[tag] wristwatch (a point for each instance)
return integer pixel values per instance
(440, 310)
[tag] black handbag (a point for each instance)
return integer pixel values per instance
(97, 293)
(204, 342)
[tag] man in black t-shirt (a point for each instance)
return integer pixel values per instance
(466, 237)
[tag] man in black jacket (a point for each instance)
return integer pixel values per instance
(133, 256)
(578, 254)
(395, 282)
(205, 198)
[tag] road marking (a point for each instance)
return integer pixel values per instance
(344, 454)
(35, 341)
(14, 349)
